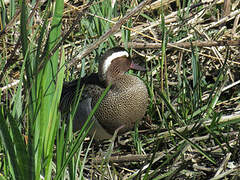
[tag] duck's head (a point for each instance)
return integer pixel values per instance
(115, 62)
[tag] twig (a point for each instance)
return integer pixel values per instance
(186, 45)
(223, 20)
(5, 30)
(221, 176)
(14, 83)
(223, 119)
(137, 45)
(224, 164)
(126, 158)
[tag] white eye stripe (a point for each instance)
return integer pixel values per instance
(115, 55)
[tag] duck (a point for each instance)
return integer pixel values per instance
(124, 104)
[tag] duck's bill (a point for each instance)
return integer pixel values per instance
(137, 67)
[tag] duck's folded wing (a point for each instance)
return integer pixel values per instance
(83, 111)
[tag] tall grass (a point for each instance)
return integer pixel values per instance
(38, 111)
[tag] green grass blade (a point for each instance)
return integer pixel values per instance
(196, 79)
(54, 116)
(50, 92)
(7, 142)
(196, 147)
(20, 146)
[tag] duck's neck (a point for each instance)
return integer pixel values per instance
(122, 82)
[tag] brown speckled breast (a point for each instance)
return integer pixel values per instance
(125, 104)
